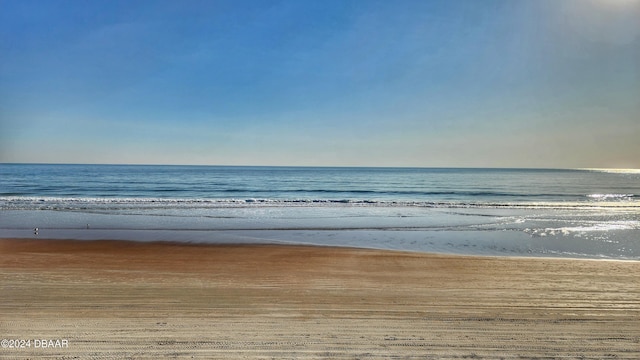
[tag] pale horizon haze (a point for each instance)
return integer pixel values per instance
(491, 83)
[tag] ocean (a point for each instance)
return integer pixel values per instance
(587, 213)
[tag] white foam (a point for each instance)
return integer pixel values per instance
(103, 203)
(605, 197)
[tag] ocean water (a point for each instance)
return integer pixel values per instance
(506, 212)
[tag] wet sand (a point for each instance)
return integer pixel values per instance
(114, 300)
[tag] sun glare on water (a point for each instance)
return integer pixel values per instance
(615, 171)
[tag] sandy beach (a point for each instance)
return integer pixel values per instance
(114, 300)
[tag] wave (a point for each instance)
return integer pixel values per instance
(393, 192)
(84, 203)
(415, 193)
(605, 197)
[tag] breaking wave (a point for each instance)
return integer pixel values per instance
(88, 203)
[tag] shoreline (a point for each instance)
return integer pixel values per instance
(306, 245)
(157, 299)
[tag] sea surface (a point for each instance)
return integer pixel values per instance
(588, 213)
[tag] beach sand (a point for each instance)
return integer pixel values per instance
(114, 300)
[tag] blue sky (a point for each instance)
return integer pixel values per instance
(511, 83)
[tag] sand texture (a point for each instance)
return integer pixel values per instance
(117, 300)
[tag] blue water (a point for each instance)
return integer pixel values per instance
(516, 212)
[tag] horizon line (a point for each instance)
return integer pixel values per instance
(330, 166)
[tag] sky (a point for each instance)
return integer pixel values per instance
(478, 83)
